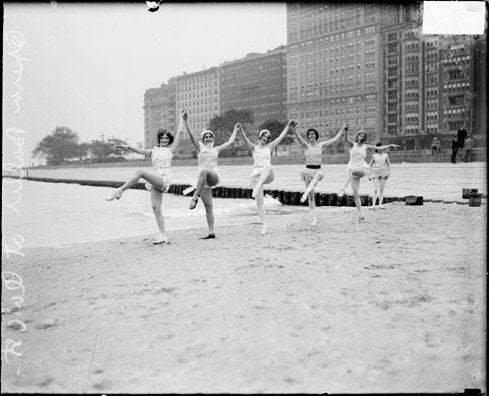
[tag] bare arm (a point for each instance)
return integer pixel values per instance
(179, 133)
(224, 146)
(248, 142)
(301, 140)
(347, 139)
(388, 164)
(343, 129)
(135, 149)
(369, 146)
(279, 138)
(190, 134)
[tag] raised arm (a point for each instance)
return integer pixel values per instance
(189, 132)
(279, 138)
(337, 137)
(301, 140)
(134, 149)
(179, 132)
(248, 142)
(369, 146)
(347, 139)
(224, 146)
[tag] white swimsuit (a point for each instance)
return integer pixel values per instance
(161, 159)
(357, 158)
(379, 166)
(261, 158)
(207, 159)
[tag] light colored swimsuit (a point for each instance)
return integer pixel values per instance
(357, 158)
(161, 159)
(207, 159)
(261, 158)
(379, 166)
(314, 157)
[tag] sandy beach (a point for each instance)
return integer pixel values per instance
(396, 304)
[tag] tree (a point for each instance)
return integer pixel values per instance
(59, 146)
(223, 125)
(105, 151)
(276, 127)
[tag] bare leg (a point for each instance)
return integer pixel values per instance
(206, 195)
(150, 177)
(206, 176)
(261, 210)
(265, 178)
(355, 186)
(312, 185)
(156, 199)
(348, 180)
(376, 189)
(312, 204)
(381, 192)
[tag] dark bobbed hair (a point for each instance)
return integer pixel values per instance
(316, 133)
(161, 132)
(378, 145)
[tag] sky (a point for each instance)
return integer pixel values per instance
(87, 65)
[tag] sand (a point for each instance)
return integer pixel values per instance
(396, 304)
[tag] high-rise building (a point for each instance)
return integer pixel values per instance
(334, 65)
(256, 82)
(159, 112)
(432, 84)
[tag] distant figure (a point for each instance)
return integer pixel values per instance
(435, 145)
(469, 146)
(379, 173)
(455, 145)
(461, 135)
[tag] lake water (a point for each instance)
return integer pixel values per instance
(57, 213)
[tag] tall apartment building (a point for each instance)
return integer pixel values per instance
(198, 93)
(334, 65)
(159, 112)
(256, 82)
(432, 84)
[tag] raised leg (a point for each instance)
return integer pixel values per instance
(265, 178)
(312, 185)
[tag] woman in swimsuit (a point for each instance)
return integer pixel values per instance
(208, 173)
(379, 173)
(358, 167)
(262, 172)
(314, 155)
(158, 181)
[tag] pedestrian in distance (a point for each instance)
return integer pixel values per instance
(455, 146)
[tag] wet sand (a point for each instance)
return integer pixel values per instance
(396, 304)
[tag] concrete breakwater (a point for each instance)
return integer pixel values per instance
(286, 197)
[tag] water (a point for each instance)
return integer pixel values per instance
(57, 213)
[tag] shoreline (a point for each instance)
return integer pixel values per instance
(341, 308)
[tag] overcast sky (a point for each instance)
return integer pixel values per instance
(87, 65)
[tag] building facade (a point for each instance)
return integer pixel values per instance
(433, 85)
(159, 112)
(334, 65)
(258, 83)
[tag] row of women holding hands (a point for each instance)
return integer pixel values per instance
(159, 180)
